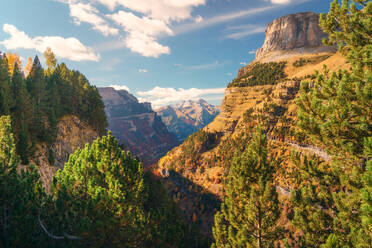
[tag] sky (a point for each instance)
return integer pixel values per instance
(162, 51)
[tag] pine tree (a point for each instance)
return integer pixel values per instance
(3, 103)
(99, 196)
(251, 210)
(336, 112)
(21, 196)
(4, 85)
(36, 86)
(312, 200)
(23, 148)
(365, 233)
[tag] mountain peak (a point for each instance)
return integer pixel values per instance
(187, 117)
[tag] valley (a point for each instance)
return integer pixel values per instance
(284, 161)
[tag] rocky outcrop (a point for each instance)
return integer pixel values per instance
(293, 34)
(136, 125)
(72, 134)
(187, 117)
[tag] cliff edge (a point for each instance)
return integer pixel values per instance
(292, 35)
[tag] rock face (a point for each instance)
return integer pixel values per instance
(136, 125)
(72, 134)
(187, 117)
(297, 33)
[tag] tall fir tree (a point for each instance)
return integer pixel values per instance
(21, 196)
(250, 212)
(36, 86)
(4, 85)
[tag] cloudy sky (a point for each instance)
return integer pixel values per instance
(160, 50)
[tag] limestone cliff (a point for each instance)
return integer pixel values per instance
(72, 134)
(292, 34)
(136, 125)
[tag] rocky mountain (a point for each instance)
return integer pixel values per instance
(195, 171)
(187, 117)
(136, 125)
(293, 34)
(72, 134)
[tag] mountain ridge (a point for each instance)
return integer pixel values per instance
(136, 125)
(187, 117)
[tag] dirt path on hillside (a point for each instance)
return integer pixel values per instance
(315, 150)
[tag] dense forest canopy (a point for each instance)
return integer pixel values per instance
(36, 98)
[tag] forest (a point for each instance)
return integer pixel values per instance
(104, 198)
(36, 98)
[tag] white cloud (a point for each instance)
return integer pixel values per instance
(119, 87)
(198, 19)
(243, 63)
(142, 70)
(142, 33)
(252, 52)
(68, 48)
(87, 13)
(229, 74)
(168, 10)
(145, 25)
(145, 45)
(280, 1)
(159, 96)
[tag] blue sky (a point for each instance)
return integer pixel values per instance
(163, 51)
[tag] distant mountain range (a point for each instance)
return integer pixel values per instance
(187, 117)
(136, 125)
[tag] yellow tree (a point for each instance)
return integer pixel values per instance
(13, 59)
(28, 66)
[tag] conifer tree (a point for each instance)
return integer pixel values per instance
(36, 86)
(365, 233)
(4, 85)
(21, 196)
(250, 212)
(312, 200)
(99, 196)
(3, 103)
(336, 112)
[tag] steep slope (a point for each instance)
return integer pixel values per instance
(71, 135)
(202, 162)
(187, 117)
(136, 125)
